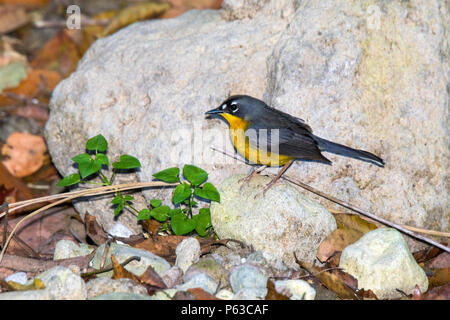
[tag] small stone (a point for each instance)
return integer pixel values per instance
(119, 230)
(248, 277)
(166, 294)
(299, 289)
(188, 252)
(210, 267)
(250, 294)
(225, 294)
(381, 261)
(200, 280)
(122, 296)
(18, 277)
(63, 284)
(26, 295)
(281, 223)
(172, 276)
(124, 252)
(66, 249)
(104, 285)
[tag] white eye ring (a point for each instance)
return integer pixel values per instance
(234, 108)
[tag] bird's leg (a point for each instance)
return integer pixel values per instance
(252, 173)
(280, 173)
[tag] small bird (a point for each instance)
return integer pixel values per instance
(269, 137)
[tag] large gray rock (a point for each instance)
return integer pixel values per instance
(370, 75)
(382, 262)
(281, 223)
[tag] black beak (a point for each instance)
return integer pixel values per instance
(215, 111)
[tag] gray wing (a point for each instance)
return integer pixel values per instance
(290, 135)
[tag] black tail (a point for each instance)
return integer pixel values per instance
(328, 146)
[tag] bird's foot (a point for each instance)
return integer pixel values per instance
(252, 174)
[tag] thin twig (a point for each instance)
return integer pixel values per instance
(415, 229)
(83, 193)
(357, 210)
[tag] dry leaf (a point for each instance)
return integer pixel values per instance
(137, 12)
(60, 54)
(343, 284)
(164, 246)
(438, 293)
(24, 152)
(150, 278)
(181, 6)
(439, 277)
(354, 221)
(439, 262)
(11, 182)
(120, 272)
(152, 226)
(200, 294)
(26, 3)
(272, 293)
(38, 84)
(90, 33)
(426, 254)
(12, 18)
(350, 229)
(94, 230)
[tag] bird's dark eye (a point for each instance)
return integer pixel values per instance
(234, 108)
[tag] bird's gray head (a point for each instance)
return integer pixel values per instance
(244, 107)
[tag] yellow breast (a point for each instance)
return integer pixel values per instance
(243, 146)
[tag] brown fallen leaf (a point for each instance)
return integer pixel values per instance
(90, 33)
(181, 6)
(354, 221)
(341, 283)
(94, 230)
(120, 272)
(337, 241)
(38, 84)
(272, 293)
(24, 152)
(200, 294)
(21, 191)
(26, 3)
(426, 254)
(439, 277)
(151, 280)
(165, 246)
(438, 293)
(439, 262)
(152, 226)
(136, 12)
(59, 54)
(350, 229)
(12, 18)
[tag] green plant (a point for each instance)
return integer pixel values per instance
(180, 219)
(91, 164)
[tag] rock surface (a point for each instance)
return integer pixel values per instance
(298, 289)
(372, 75)
(60, 284)
(124, 252)
(188, 252)
(103, 285)
(280, 223)
(65, 249)
(382, 262)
